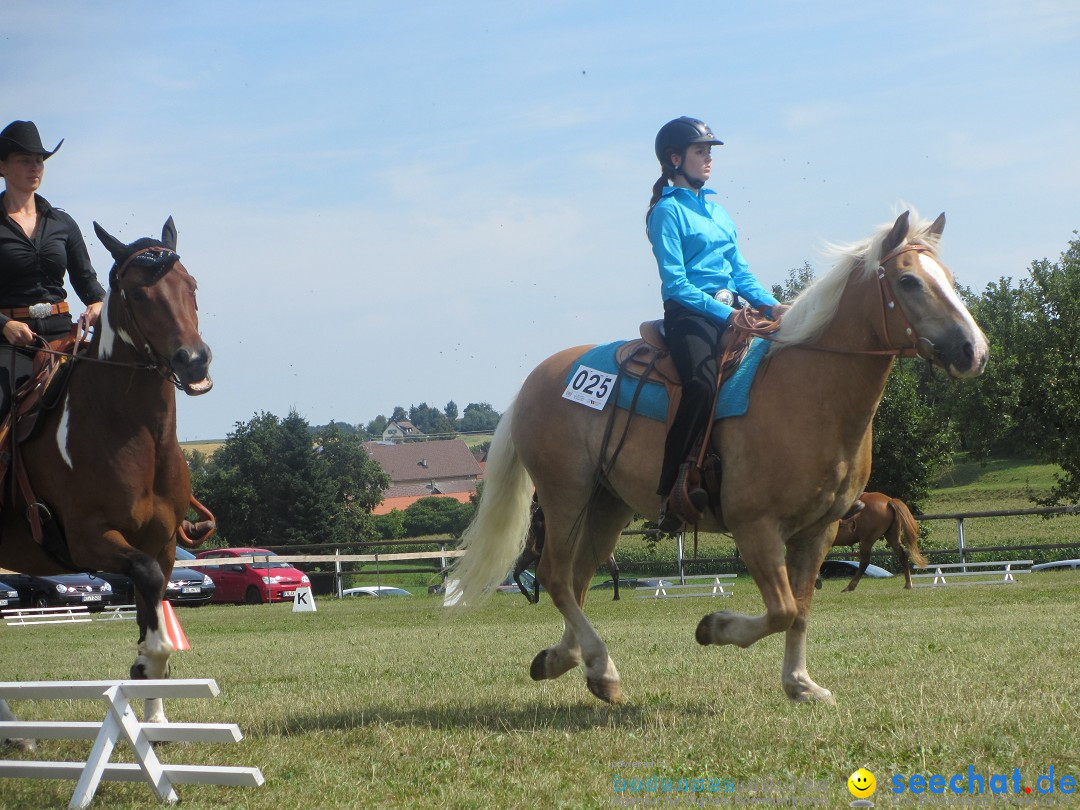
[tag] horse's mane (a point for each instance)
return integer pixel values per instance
(814, 308)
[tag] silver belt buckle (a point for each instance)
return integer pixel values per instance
(726, 297)
(40, 310)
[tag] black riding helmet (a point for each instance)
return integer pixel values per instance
(677, 135)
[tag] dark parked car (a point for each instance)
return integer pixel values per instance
(632, 583)
(831, 569)
(1057, 565)
(62, 590)
(9, 596)
(186, 586)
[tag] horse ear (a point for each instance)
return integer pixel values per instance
(938, 226)
(168, 234)
(115, 247)
(897, 235)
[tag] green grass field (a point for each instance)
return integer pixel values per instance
(393, 702)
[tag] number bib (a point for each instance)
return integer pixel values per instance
(590, 387)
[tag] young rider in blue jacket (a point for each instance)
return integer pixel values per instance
(704, 278)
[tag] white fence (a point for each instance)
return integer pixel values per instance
(71, 614)
(120, 724)
(696, 585)
(1000, 573)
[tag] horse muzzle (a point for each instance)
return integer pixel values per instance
(191, 365)
(963, 355)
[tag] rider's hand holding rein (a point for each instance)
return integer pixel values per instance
(18, 333)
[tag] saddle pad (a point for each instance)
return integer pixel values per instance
(652, 403)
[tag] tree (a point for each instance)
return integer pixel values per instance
(1051, 346)
(479, 418)
(437, 515)
(270, 484)
(798, 279)
(399, 414)
(357, 480)
(451, 411)
(376, 426)
(430, 421)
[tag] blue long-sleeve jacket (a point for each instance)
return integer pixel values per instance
(695, 245)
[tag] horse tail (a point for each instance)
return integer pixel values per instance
(910, 528)
(496, 536)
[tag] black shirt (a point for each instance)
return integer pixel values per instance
(32, 270)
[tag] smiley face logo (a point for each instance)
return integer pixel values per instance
(862, 784)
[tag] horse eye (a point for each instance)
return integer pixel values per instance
(910, 282)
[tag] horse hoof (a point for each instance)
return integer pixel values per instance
(704, 632)
(25, 746)
(607, 691)
(538, 668)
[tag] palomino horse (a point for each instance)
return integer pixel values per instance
(883, 517)
(791, 466)
(105, 461)
(534, 548)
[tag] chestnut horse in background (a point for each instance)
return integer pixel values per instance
(104, 463)
(883, 517)
(791, 466)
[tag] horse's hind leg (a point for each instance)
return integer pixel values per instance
(892, 537)
(566, 568)
(865, 547)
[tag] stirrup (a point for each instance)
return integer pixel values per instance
(689, 501)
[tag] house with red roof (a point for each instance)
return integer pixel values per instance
(421, 469)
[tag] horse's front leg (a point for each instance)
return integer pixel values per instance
(154, 648)
(19, 744)
(763, 552)
(804, 562)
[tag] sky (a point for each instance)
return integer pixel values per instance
(390, 203)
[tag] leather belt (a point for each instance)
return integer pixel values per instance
(35, 310)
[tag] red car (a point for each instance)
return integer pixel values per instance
(248, 582)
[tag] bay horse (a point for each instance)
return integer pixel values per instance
(883, 517)
(105, 461)
(791, 467)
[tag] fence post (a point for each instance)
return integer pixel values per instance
(679, 557)
(960, 540)
(337, 572)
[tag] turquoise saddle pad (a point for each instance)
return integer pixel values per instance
(652, 402)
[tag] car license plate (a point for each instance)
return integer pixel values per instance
(286, 593)
(92, 597)
(191, 589)
(3, 601)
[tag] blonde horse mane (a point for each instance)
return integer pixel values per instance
(814, 308)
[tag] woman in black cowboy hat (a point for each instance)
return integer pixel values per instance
(38, 245)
